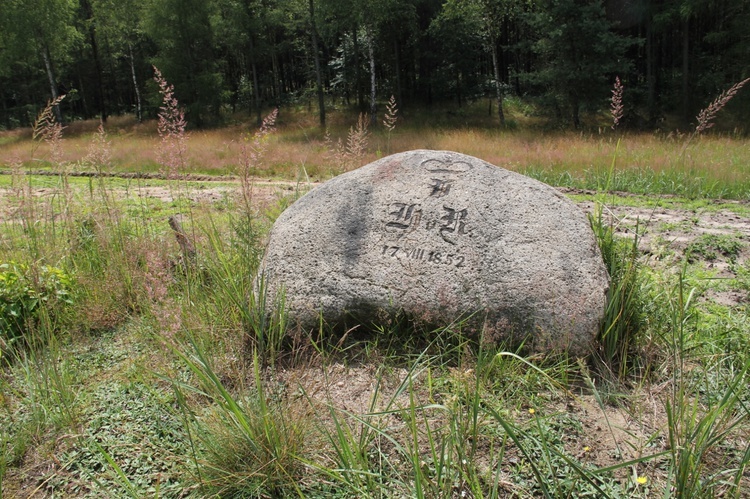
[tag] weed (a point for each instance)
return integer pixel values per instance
(710, 246)
(248, 446)
(706, 116)
(251, 156)
(99, 155)
(623, 317)
(32, 299)
(695, 431)
(47, 129)
(349, 155)
(171, 128)
(133, 443)
(389, 120)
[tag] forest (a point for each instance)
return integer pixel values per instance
(226, 57)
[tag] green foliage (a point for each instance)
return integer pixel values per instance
(624, 316)
(246, 447)
(710, 246)
(184, 33)
(454, 31)
(133, 445)
(232, 295)
(696, 428)
(742, 280)
(227, 57)
(31, 297)
(579, 49)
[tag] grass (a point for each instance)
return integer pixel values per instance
(169, 375)
(712, 166)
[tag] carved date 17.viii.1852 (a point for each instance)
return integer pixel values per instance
(435, 257)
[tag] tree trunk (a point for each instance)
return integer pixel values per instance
(318, 75)
(52, 81)
(399, 93)
(459, 96)
(256, 87)
(89, 13)
(650, 73)
(82, 106)
(277, 77)
(371, 55)
(138, 104)
(685, 69)
(183, 239)
(498, 86)
(357, 75)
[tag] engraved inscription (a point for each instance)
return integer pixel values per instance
(420, 254)
(404, 216)
(440, 187)
(453, 224)
(435, 165)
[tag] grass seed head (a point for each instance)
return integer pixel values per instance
(706, 116)
(616, 107)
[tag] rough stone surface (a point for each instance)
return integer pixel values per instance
(441, 235)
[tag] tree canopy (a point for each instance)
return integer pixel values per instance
(229, 56)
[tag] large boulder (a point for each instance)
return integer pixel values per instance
(441, 236)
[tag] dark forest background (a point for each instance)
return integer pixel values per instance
(243, 56)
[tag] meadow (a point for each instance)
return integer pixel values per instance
(138, 362)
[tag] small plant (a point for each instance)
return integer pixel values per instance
(356, 141)
(47, 129)
(251, 156)
(30, 297)
(695, 428)
(623, 318)
(349, 155)
(335, 152)
(390, 118)
(710, 246)
(171, 128)
(248, 447)
(706, 116)
(99, 154)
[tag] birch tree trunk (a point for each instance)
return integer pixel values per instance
(52, 81)
(138, 104)
(357, 76)
(498, 86)
(371, 55)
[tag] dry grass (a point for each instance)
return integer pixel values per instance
(300, 144)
